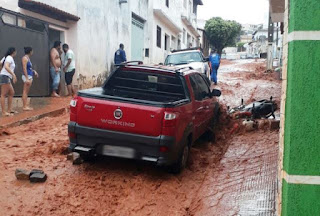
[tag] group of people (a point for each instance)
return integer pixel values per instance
(69, 67)
(8, 76)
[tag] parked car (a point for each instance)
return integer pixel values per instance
(191, 57)
(150, 113)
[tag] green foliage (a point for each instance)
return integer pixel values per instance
(222, 33)
(240, 44)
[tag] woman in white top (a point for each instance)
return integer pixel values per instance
(6, 75)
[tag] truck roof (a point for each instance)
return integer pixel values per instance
(185, 51)
(168, 69)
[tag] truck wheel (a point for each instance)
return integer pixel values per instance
(216, 118)
(182, 161)
(88, 157)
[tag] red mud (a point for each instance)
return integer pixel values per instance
(221, 178)
(54, 104)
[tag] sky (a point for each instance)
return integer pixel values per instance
(242, 11)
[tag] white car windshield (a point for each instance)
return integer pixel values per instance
(183, 58)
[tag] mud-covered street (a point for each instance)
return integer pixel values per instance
(235, 175)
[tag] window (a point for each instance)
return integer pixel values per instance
(195, 6)
(167, 3)
(185, 4)
(23, 22)
(9, 19)
(147, 52)
(200, 88)
(173, 42)
(34, 25)
(158, 37)
(183, 58)
(189, 41)
(148, 86)
(166, 42)
(184, 36)
(195, 88)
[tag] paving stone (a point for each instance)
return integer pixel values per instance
(22, 174)
(36, 171)
(38, 177)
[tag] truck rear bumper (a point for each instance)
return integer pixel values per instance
(94, 141)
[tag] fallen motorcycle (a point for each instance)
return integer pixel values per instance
(255, 110)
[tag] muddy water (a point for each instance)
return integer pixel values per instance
(234, 175)
(247, 80)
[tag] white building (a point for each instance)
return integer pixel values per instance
(259, 45)
(149, 29)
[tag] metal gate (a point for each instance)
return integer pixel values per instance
(137, 39)
(21, 31)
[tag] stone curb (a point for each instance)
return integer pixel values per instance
(53, 113)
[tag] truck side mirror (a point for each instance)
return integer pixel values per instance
(216, 93)
(207, 59)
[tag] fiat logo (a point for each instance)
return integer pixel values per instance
(117, 114)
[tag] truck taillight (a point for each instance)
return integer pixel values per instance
(73, 103)
(169, 119)
(169, 116)
(73, 109)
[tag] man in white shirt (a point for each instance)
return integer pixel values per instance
(69, 68)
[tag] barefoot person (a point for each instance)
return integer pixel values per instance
(55, 65)
(69, 68)
(27, 76)
(6, 75)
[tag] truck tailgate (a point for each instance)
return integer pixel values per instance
(118, 116)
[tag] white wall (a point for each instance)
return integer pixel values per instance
(104, 25)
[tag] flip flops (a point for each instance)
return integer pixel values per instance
(7, 114)
(27, 109)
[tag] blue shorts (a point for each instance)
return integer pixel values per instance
(4, 79)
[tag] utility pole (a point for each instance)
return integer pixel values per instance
(270, 43)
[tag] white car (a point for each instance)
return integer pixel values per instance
(189, 58)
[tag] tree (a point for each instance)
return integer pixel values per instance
(222, 33)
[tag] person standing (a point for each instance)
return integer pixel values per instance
(69, 68)
(215, 64)
(27, 77)
(55, 67)
(6, 75)
(120, 55)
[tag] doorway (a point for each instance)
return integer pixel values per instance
(56, 35)
(137, 38)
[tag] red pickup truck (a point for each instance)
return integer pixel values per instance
(150, 113)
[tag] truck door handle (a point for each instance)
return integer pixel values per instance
(200, 108)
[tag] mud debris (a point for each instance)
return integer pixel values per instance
(221, 180)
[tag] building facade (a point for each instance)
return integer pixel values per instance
(299, 167)
(149, 30)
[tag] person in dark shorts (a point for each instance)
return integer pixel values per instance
(69, 68)
(7, 75)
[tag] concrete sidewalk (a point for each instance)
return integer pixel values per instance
(43, 106)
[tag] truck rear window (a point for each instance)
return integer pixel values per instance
(145, 86)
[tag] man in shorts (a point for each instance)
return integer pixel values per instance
(55, 64)
(69, 68)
